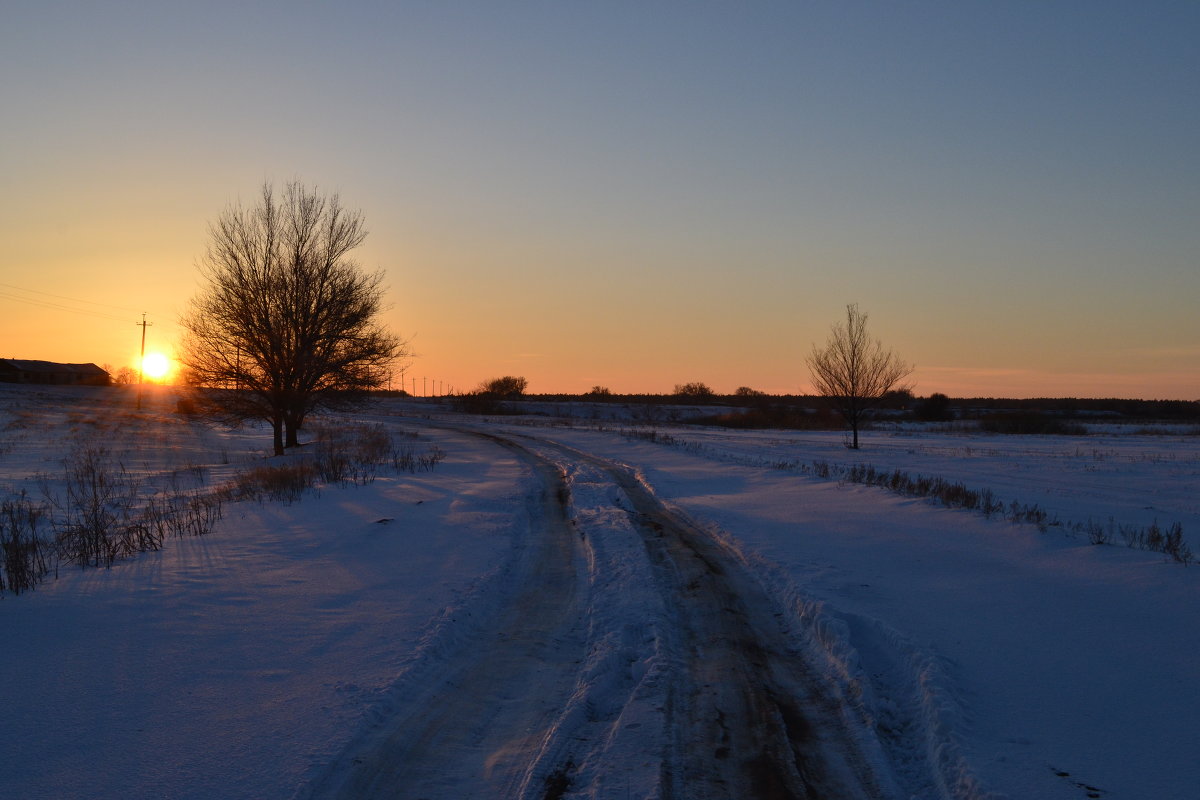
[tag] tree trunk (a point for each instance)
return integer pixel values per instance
(853, 418)
(277, 433)
(292, 429)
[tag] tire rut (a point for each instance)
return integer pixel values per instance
(745, 714)
(470, 733)
(749, 716)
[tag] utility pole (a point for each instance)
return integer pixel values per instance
(142, 360)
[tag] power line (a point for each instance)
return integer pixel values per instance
(64, 297)
(58, 307)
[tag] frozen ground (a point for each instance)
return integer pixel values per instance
(968, 657)
(1022, 654)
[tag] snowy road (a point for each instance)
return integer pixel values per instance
(710, 695)
(749, 718)
(489, 709)
(538, 618)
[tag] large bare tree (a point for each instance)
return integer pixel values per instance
(287, 322)
(854, 371)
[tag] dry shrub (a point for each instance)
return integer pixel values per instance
(98, 520)
(278, 482)
(351, 454)
(406, 458)
(25, 557)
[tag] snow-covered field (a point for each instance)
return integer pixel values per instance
(983, 658)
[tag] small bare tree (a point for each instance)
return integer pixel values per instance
(287, 322)
(696, 390)
(125, 376)
(854, 371)
(509, 387)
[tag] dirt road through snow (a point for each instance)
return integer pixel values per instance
(471, 731)
(748, 717)
(735, 709)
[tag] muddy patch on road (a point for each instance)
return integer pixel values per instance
(751, 718)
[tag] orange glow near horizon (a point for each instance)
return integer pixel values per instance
(645, 353)
(543, 211)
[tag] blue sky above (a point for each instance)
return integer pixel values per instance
(640, 194)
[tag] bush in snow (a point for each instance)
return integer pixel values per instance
(180, 515)
(351, 454)
(98, 504)
(280, 482)
(100, 513)
(25, 557)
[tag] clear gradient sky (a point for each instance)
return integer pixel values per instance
(634, 194)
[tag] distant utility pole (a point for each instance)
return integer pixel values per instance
(142, 360)
(424, 387)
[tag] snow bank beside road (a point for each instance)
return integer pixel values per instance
(234, 665)
(1035, 654)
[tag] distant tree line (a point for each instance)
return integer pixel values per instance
(756, 409)
(906, 404)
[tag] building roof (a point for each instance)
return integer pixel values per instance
(26, 365)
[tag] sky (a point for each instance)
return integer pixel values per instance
(633, 194)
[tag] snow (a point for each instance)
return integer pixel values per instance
(233, 665)
(1024, 664)
(1041, 653)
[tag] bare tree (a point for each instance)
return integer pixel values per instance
(509, 387)
(696, 390)
(287, 322)
(855, 371)
(125, 376)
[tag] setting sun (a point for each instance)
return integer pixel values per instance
(155, 366)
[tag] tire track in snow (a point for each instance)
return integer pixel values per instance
(742, 714)
(472, 732)
(746, 714)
